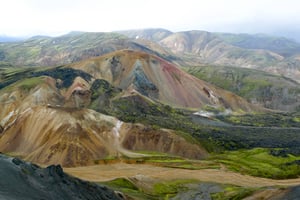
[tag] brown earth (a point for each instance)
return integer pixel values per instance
(161, 80)
(99, 173)
(47, 125)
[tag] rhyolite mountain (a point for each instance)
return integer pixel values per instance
(160, 80)
(27, 181)
(68, 114)
(73, 135)
(274, 55)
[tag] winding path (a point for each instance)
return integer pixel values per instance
(98, 173)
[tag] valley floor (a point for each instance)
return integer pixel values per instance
(101, 173)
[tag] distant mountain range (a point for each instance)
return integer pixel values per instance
(271, 54)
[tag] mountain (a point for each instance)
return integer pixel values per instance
(148, 34)
(188, 48)
(270, 91)
(267, 53)
(73, 135)
(160, 80)
(283, 46)
(205, 47)
(75, 46)
(45, 121)
(27, 181)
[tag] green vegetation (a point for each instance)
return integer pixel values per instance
(210, 133)
(259, 162)
(129, 188)
(170, 188)
(271, 91)
(279, 45)
(44, 50)
(11, 75)
(264, 119)
(214, 135)
(123, 183)
(233, 193)
(153, 190)
(25, 84)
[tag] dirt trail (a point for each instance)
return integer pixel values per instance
(107, 172)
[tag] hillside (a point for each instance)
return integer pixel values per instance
(75, 46)
(70, 134)
(267, 53)
(205, 47)
(283, 46)
(189, 48)
(160, 80)
(270, 91)
(27, 181)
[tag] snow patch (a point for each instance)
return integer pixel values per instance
(207, 114)
(137, 37)
(117, 128)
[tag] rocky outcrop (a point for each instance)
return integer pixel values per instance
(78, 94)
(26, 181)
(141, 138)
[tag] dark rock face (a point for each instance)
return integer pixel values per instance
(26, 181)
(202, 191)
(291, 194)
(81, 98)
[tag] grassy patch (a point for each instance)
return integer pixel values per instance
(170, 188)
(271, 91)
(25, 84)
(233, 193)
(264, 119)
(259, 162)
(128, 188)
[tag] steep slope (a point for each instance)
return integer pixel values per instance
(47, 51)
(44, 124)
(270, 91)
(72, 47)
(280, 45)
(205, 47)
(160, 80)
(26, 181)
(271, 54)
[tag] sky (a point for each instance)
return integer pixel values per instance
(57, 17)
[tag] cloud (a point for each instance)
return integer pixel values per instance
(21, 17)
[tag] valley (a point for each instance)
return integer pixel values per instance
(153, 114)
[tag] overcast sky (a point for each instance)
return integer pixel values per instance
(56, 17)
